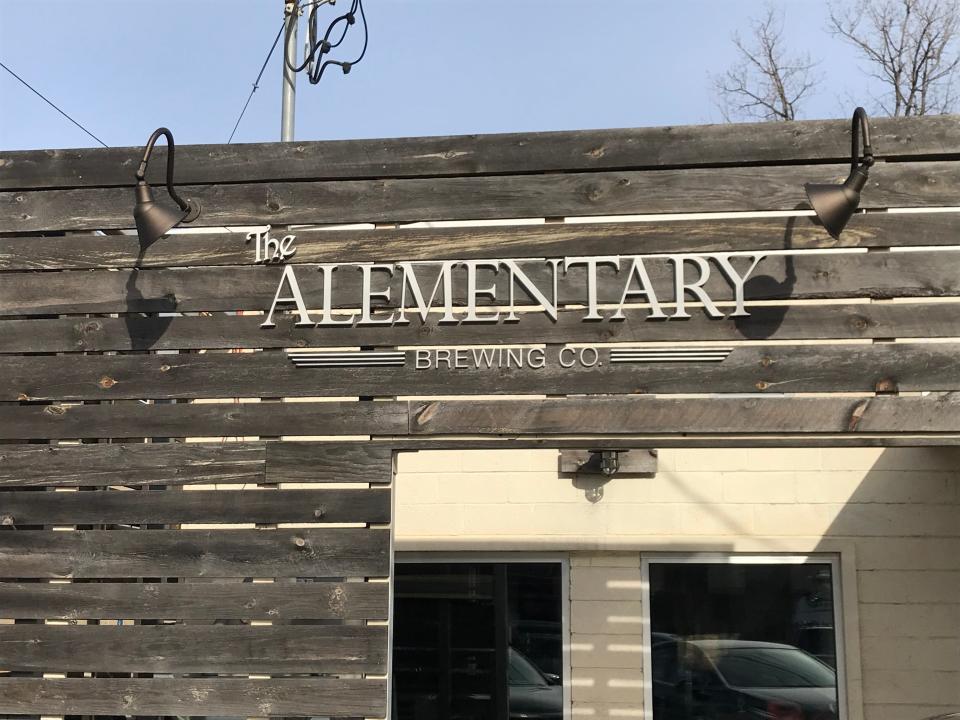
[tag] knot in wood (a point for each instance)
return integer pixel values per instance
(319, 512)
(55, 410)
(6, 520)
(762, 385)
(766, 361)
(107, 382)
(164, 368)
(299, 542)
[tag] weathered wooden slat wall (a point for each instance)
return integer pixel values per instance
(906, 184)
(105, 344)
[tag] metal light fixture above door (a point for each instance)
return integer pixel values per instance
(153, 220)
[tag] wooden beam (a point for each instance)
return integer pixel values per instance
(90, 252)
(766, 322)
(886, 367)
(198, 601)
(335, 552)
(580, 150)
(902, 184)
(214, 506)
(194, 648)
(926, 273)
(303, 697)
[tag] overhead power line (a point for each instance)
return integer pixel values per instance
(48, 102)
(256, 83)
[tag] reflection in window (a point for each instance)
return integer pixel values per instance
(740, 641)
(477, 641)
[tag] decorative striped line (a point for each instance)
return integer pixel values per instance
(353, 358)
(664, 355)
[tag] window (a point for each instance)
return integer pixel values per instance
(742, 636)
(478, 640)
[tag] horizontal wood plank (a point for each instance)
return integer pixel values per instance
(194, 648)
(302, 697)
(88, 252)
(208, 506)
(227, 419)
(906, 184)
(886, 367)
(336, 552)
(805, 275)
(206, 601)
(172, 464)
(766, 322)
(579, 150)
(934, 413)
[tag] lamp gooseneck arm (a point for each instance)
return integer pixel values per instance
(861, 124)
(142, 170)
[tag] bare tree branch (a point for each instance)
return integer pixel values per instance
(765, 83)
(911, 46)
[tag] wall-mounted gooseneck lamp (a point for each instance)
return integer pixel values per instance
(835, 204)
(153, 221)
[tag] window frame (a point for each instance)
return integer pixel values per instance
(744, 558)
(563, 559)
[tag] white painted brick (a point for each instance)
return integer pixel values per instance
(416, 489)
(430, 461)
(568, 519)
(754, 487)
(468, 488)
(606, 651)
(911, 686)
(877, 486)
(717, 520)
(907, 554)
(606, 617)
(497, 519)
(903, 586)
(601, 583)
(635, 519)
(607, 685)
(534, 487)
(912, 711)
(910, 620)
(712, 460)
(429, 520)
(899, 653)
(786, 459)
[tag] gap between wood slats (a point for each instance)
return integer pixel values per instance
(570, 151)
(908, 184)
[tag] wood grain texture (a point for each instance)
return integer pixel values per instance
(173, 464)
(934, 413)
(769, 322)
(906, 184)
(194, 601)
(213, 506)
(338, 552)
(926, 273)
(235, 420)
(886, 367)
(87, 252)
(580, 150)
(194, 648)
(302, 697)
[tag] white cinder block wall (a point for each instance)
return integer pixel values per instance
(892, 515)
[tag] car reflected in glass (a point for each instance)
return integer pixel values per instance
(739, 680)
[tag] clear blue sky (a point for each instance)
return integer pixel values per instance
(124, 67)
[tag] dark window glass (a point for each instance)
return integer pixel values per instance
(477, 641)
(743, 641)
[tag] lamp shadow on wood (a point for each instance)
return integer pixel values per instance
(765, 320)
(145, 325)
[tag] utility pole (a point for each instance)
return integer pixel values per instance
(291, 15)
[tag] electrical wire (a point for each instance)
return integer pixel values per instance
(48, 102)
(318, 48)
(256, 83)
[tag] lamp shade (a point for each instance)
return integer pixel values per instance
(835, 204)
(153, 220)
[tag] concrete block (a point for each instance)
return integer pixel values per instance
(754, 487)
(606, 651)
(606, 617)
(603, 583)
